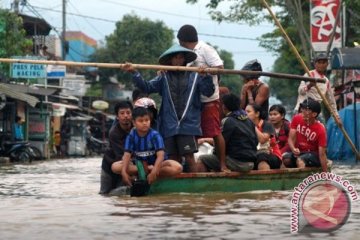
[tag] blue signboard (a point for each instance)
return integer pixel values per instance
(28, 70)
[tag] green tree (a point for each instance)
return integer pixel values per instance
(134, 40)
(233, 82)
(12, 37)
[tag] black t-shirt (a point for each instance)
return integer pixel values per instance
(115, 152)
(240, 138)
(265, 106)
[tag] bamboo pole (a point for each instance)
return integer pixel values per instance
(164, 67)
(332, 36)
(326, 103)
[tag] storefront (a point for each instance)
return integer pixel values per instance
(13, 104)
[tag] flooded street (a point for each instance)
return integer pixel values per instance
(58, 199)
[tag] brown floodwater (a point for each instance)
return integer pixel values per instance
(58, 199)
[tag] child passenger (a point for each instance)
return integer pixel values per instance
(180, 112)
(145, 144)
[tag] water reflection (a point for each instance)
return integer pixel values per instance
(59, 200)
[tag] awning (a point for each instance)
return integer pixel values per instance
(68, 106)
(92, 111)
(80, 118)
(32, 89)
(9, 91)
(35, 26)
(345, 58)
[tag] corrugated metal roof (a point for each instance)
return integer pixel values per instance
(33, 89)
(13, 93)
(69, 106)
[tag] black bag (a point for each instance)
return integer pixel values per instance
(139, 188)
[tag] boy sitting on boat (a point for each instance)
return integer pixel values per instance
(307, 138)
(145, 144)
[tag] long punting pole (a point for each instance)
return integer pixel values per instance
(163, 67)
(326, 103)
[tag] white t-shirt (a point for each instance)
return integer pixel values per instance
(208, 56)
(325, 89)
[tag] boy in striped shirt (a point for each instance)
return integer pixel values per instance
(145, 144)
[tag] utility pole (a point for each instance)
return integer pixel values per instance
(63, 40)
(16, 6)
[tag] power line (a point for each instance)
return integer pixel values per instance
(112, 21)
(169, 13)
(225, 36)
(78, 15)
(36, 13)
(90, 24)
(156, 11)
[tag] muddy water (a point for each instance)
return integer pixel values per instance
(58, 199)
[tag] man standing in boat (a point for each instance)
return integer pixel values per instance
(180, 111)
(307, 138)
(117, 135)
(207, 56)
(307, 89)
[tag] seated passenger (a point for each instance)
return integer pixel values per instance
(117, 135)
(268, 153)
(277, 114)
(307, 138)
(145, 144)
(240, 139)
(149, 104)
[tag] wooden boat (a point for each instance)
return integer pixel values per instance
(277, 179)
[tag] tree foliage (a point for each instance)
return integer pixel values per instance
(134, 40)
(294, 17)
(12, 37)
(233, 82)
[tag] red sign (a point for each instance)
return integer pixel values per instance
(322, 19)
(37, 127)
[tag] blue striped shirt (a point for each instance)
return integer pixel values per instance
(144, 148)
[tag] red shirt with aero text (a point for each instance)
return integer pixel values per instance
(308, 137)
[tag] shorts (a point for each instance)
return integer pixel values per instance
(108, 182)
(180, 145)
(273, 161)
(212, 162)
(310, 159)
(210, 119)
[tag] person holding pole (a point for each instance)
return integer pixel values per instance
(207, 56)
(180, 112)
(307, 89)
(254, 91)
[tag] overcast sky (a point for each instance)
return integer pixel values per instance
(174, 13)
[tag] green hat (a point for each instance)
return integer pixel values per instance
(190, 55)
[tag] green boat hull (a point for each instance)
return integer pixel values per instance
(280, 179)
